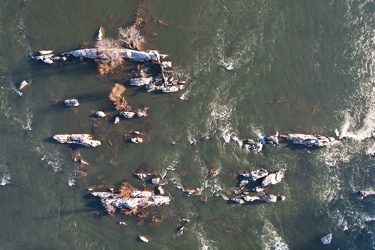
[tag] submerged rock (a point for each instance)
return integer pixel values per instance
(326, 240)
(71, 102)
(366, 192)
(319, 141)
(273, 179)
(80, 139)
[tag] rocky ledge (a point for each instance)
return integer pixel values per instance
(80, 139)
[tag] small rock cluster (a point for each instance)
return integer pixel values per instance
(257, 193)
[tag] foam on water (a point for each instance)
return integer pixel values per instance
(53, 158)
(205, 242)
(271, 238)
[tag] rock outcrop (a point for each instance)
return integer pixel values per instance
(80, 139)
(319, 141)
(130, 199)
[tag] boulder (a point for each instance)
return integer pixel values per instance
(143, 238)
(100, 34)
(326, 240)
(80, 139)
(100, 114)
(23, 85)
(319, 141)
(71, 103)
(136, 140)
(269, 198)
(127, 115)
(251, 144)
(117, 120)
(273, 179)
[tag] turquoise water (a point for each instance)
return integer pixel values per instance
(298, 66)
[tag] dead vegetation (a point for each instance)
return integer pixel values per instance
(126, 189)
(118, 100)
(130, 37)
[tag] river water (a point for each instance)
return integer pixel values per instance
(298, 66)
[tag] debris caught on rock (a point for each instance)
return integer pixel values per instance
(80, 139)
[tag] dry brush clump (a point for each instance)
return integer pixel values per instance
(118, 100)
(130, 37)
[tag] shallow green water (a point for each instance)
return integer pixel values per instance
(299, 66)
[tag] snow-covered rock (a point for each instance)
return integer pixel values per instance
(80, 139)
(319, 141)
(326, 240)
(273, 178)
(71, 102)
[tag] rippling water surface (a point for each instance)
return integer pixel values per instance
(298, 66)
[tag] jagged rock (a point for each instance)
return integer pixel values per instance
(155, 181)
(319, 141)
(366, 192)
(258, 189)
(272, 198)
(251, 144)
(160, 190)
(166, 64)
(181, 230)
(143, 238)
(136, 140)
(81, 139)
(71, 102)
(127, 115)
(100, 114)
(23, 85)
(326, 240)
(249, 198)
(140, 81)
(238, 200)
(273, 178)
(171, 89)
(100, 34)
(255, 174)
